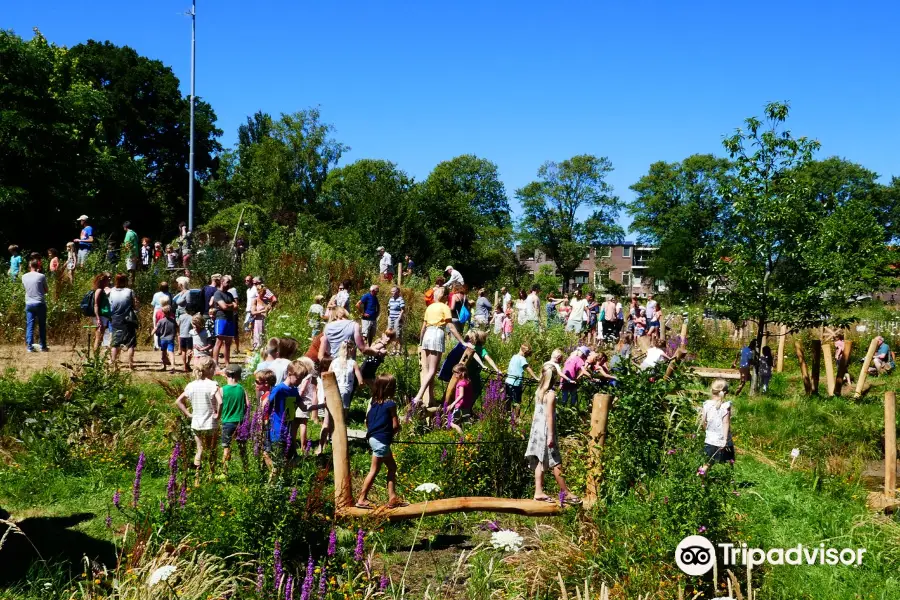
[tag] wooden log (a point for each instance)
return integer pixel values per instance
(816, 364)
(890, 445)
(827, 354)
(842, 367)
(710, 373)
(528, 508)
(684, 330)
(343, 493)
(599, 419)
(779, 365)
(804, 374)
(864, 372)
(400, 275)
(679, 354)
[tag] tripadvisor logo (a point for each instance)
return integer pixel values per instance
(696, 555)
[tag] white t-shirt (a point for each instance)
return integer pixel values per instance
(523, 309)
(202, 393)
(507, 301)
(715, 423)
(578, 307)
(345, 373)
(650, 311)
(654, 355)
(386, 264)
(252, 293)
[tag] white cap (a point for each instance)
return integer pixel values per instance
(82, 218)
(379, 249)
(449, 268)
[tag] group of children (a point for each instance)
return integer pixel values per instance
(17, 261)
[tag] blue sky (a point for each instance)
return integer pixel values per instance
(523, 82)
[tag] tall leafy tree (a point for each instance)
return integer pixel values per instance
(568, 209)
(791, 258)
(464, 209)
(678, 207)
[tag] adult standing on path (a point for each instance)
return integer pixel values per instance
(225, 306)
(251, 301)
(534, 305)
(132, 248)
(35, 284)
(609, 319)
(101, 307)
(385, 265)
(338, 331)
(483, 309)
(85, 241)
(431, 339)
(506, 299)
(577, 313)
(123, 320)
(369, 307)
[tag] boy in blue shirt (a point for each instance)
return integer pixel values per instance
(281, 407)
(15, 262)
(746, 358)
(515, 375)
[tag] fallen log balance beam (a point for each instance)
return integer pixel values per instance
(709, 373)
(528, 508)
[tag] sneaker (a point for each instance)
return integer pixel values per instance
(45, 349)
(29, 349)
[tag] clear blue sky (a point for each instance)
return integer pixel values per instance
(523, 82)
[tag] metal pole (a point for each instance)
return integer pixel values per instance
(193, 79)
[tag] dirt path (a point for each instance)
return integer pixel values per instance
(147, 362)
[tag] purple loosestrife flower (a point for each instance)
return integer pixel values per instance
(449, 421)
(671, 451)
(279, 571)
(138, 472)
(358, 553)
(173, 472)
(309, 580)
(289, 588)
(293, 497)
(182, 497)
(308, 448)
(108, 522)
(383, 582)
(322, 583)
(162, 506)
(701, 529)
(260, 579)
(173, 460)
(117, 499)
(562, 497)
(444, 455)
(701, 471)
(332, 543)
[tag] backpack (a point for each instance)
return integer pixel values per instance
(194, 303)
(87, 304)
(464, 314)
(429, 296)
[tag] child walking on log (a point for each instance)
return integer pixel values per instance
(382, 425)
(543, 452)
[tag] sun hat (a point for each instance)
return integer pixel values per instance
(584, 349)
(82, 218)
(448, 268)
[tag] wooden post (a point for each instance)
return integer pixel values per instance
(816, 364)
(400, 276)
(684, 329)
(343, 494)
(864, 372)
(779, 365)
(496, 299)
(827, 354)
(679, 354)
(804, 374)
(842, 368)
(599, 420)
(890, 445)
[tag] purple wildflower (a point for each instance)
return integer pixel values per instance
(173, 460)
(358, 553)
(383, 582)
(162, 506)
(701, 529)
(308, 448)
(671, 451)
(444, 455)
(108, 521)
(701, 471)
(289, 588)
(322, 582)
(117, 499)
(293, 497)
(243, 431)
(449, 420)
(173, 472)
(279, 571)
(332, 543)
(138, 472)
(260, 579)
(182, 497)
(309, 580)
(562, 498)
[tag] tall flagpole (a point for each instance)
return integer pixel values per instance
(190, 223)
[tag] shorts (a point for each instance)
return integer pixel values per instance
(131, 264)
(346, 399)
(225, 328)
(654, 324)
(125, 337)
(228, 430)
(186, 343)
(433, 339)
(168, 345)
(745, 373)
(574, 325)
(387, 276)
(719, 455)
(379, 449)
(367, 329)
(394, 324)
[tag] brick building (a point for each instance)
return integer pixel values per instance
(624, 263)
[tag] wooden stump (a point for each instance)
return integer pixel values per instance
(890, 444)
(816, 364)
(343, 493)
(779, 364)
(599, 420)
(864, 372)
(827, 354)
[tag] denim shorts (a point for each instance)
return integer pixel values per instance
(167, 345)
(228, 430)
(379, 449)
(226, 328)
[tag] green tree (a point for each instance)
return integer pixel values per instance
(678, 207)
(553, 206)
(464, 209)
(791, 258)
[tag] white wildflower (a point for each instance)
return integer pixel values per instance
(161, 574)
(428, 488)
(507, 540)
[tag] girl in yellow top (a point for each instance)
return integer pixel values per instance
(437, 315)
